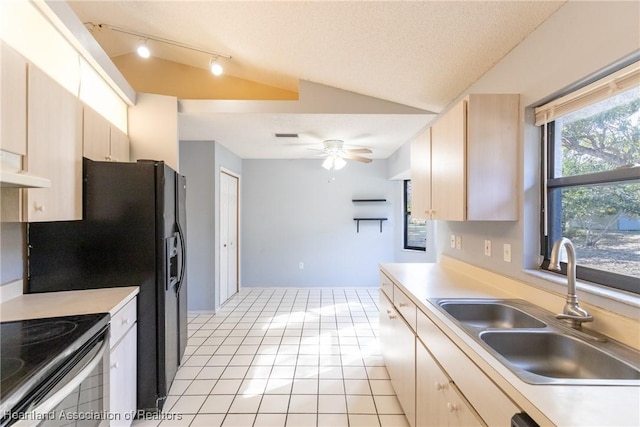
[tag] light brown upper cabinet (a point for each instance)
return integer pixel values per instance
(54, 150)
(421, 176)
(474, 160)
(13, 131)
(101, 141)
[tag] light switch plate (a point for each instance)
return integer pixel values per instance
(506, 252)
(453, 241)
(487, 248)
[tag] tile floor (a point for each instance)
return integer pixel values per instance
(285, 357)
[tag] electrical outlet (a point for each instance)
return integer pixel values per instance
(453, 241)
(301, 265)
(458, 242)
(487, 248)
(506, 252)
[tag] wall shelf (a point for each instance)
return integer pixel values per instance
(357, 220)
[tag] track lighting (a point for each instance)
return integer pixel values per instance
(215, 67)
(144, 52)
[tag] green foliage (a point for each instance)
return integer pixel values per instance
(601, 138)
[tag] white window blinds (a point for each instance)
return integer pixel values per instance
(613, 84)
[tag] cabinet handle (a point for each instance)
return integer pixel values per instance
(403, 304)
(115, 365)
(391, 316)
(452, 407)
(107, 158)
(125, 321)
(441, 386)
(39, 208)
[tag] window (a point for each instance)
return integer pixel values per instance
(592, 190)
(415, 230)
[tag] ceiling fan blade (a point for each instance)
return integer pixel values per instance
(359, 150)
(356, 158)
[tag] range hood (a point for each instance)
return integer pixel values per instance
(22, 180)
(12, 175)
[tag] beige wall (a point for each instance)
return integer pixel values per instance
(154, 75)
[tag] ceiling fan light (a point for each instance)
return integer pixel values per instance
(339, 163)
(328, 163)
(143, 50)
(215, 67)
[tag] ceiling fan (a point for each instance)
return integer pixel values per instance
(336, 154)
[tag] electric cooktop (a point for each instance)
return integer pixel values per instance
(31, 350)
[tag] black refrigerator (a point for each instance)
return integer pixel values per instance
(132, 234)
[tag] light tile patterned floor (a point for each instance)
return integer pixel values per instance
(285, 357)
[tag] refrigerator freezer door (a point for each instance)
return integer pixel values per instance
(182, 285)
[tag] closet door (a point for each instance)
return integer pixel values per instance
(228, 236)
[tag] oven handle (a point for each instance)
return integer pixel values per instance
(61, 394)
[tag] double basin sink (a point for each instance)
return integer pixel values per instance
(540, 349)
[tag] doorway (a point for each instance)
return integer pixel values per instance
(229, 189)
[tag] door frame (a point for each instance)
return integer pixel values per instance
(230, 173)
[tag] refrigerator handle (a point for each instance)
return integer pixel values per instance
(183, 251)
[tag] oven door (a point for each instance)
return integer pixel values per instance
(75, 395)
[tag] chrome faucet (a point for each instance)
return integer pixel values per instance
(572, 311)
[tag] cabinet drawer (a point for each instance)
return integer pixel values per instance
(495, 408)
(386, 285)
(122, 321)
(405, 307)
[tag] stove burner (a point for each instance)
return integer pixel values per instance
(41, 332)
(9, 366)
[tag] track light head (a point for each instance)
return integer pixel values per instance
(215, 67)
(143, 50)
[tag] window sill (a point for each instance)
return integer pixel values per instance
(615, 300)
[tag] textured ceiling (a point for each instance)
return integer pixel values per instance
(417, 53)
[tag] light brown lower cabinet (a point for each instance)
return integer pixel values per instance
(397, 341)
(437, 384)
(439, 402)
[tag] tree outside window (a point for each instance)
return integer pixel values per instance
(415, 230)
(594, 186)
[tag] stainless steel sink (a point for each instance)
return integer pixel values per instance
(490, 314)
(540, 349)
(558, 356)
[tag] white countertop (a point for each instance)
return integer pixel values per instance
(66, 303)
(560, 405)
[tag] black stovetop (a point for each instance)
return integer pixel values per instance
(30, 350)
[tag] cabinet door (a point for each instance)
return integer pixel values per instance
(397, 343)
(119, 147)
(95, 136)
(122, 379)
(421, 176)
(54, 150)
(439, 401)
(492, 150)
(13, 84)
(448, 165)
(431, 384)
(459, 411)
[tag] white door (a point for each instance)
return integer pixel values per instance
(228, 236)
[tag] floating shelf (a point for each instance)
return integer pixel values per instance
(357, 220)
(368, 200)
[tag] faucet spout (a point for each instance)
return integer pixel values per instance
(572, 311)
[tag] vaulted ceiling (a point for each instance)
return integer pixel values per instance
(419, 54)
